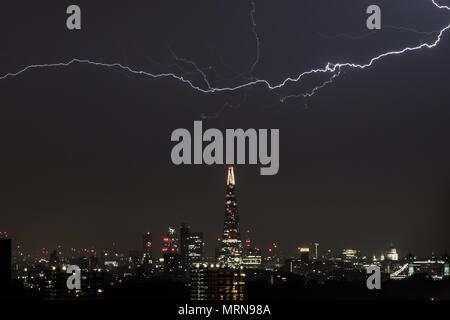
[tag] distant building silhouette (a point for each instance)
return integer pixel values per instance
(304, 254)
(147, 245)
(5, 262)
(184, 250)
(147, 254)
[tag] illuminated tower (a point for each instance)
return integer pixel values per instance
(147, 254)
(171, 254)
(171, 242)
(314, 249)
(251, 256)
(184, 246)
(231, 250)
(147, 245)
(248, 241)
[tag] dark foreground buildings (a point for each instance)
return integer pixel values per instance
(5, 262)
(215, 283)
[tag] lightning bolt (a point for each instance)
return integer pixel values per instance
(257, 40)
(332, 68)
(366, 35)
(315, 89)
(196, 67)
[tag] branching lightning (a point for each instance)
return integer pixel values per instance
(257, 40)
(196, 67)
(371, 33)
(333, 69)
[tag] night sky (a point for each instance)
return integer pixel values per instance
(85, 150)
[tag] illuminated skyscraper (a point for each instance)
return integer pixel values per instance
(147, 254)
(195, 247)
(171, 254)
(251, 256)
(304, 254)
(230, 254)
(213, 283)
(147, 245)
(248, 241)
(171, 242)
(350, 255)
(191, 246)
(184, 236)
(314, 249)
(273, 260)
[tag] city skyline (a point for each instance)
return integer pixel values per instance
(231, 232)
(239, 270)
(293, 252)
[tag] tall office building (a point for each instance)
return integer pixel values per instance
(5, 260)
(199, 282)
(191, 246)
(251, 256)
(304, 254)
(184, 238)
(171, 242)
(230, 254)
(213, 283)
(350, 255)
(147, 254)
(217, 249)
(171, 253)
(314, 249)
(195, 247)
(273, 260)
(147, 245)
(248, 241)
